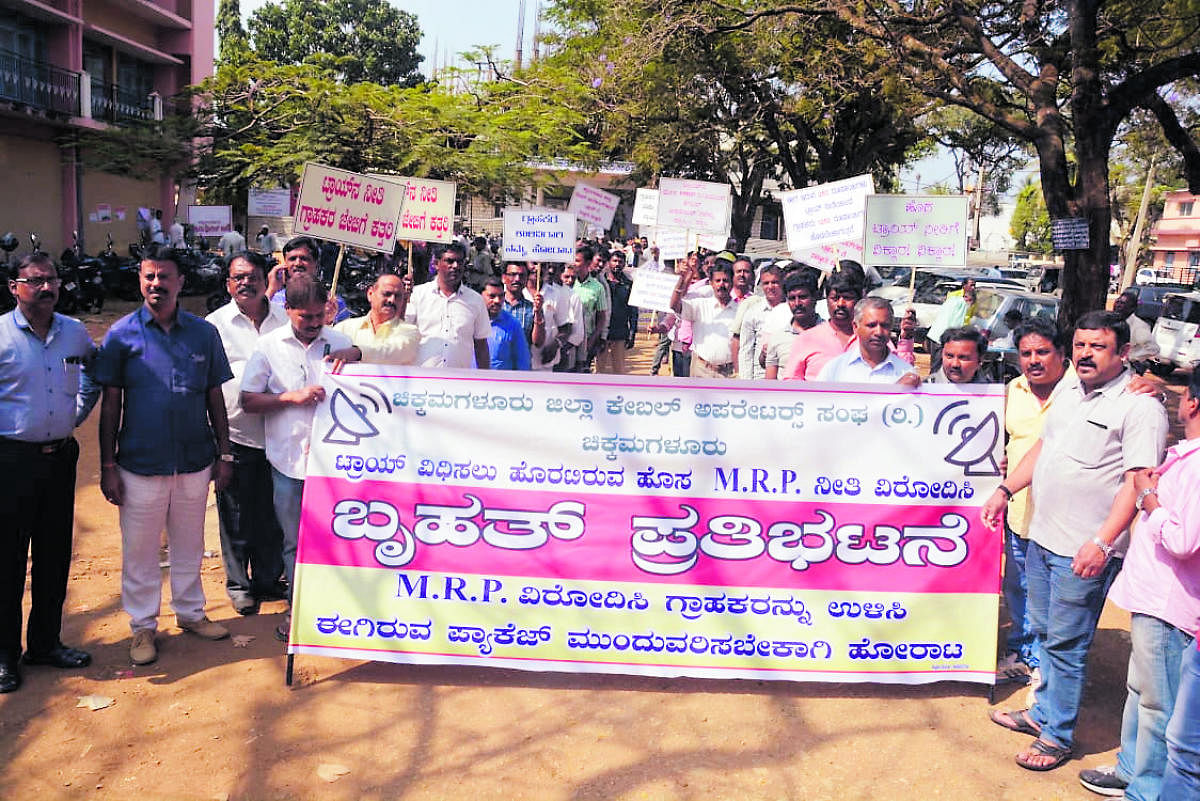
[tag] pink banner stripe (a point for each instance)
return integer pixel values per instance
(605, 551)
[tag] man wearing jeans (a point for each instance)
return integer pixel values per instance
(282, 382)
(162, 423)
(1160, 586)
(1097, 436)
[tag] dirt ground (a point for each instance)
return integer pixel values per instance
(216, 721)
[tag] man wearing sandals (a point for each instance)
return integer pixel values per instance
(1097, 436)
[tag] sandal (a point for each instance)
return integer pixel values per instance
(1017, 720)
(1040, 747)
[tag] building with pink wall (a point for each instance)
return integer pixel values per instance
(1175, 239)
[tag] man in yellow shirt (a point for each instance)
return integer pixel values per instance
(382, 336)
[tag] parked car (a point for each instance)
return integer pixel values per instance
(932, 286)
(1150, 298)
(992, 303)
(1177, 332)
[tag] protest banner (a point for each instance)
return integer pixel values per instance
(916, 230)
(652, 290)
(620, 524)
(645, 207)
(428, 214)
(672, 242)
(352, 209)
(593, 206)
(210, 220)
(269, 202)
(826, 257)
(539, 235)
(825, 214)
(698, 206)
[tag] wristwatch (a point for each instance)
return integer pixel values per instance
(1141, 497)
(1103, 546)
(226, 457)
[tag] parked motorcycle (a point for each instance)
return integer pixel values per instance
(8, 243)
(86, 275)
(118, 275)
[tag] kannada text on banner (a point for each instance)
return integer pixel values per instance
(916, 230)
(626, 525)
(428, 214)
(593, 206)
(210, 220)
(826, 214)
(694, 205)
(349, 208)
(538, 234)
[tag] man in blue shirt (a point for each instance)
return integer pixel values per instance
(162, 422)
(869, 358)
(506, 343)
(301, 256)
(41, 401)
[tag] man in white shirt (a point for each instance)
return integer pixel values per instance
(800, 289)
(381, 335)
(451, 317)
(232, 242)
(251, 540)
(712, 321)
(556, 311)
(873, 361)
(283, 383)
(749, 333)
(1142, 345)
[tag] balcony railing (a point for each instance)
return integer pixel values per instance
(113, 103)
(38, 85)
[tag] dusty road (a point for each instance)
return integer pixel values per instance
(215, 721)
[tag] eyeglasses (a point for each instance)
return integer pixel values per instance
(38, 281)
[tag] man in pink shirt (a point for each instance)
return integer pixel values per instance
(1160, 586)
(819, 344)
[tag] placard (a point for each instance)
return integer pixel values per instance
(673, 243)
(1070, 233)
(593, 206)
(922, 231)
(269, 202)
(538, 234)
(652, 290)
(645, 207)
(651, 527)
(428, 214)
(826, 257)
(694, 205)
(358, 210)
(825, 214)
(209, 221)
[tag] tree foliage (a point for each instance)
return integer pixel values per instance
(1030, 224)
(361, 40)
(1062, 75)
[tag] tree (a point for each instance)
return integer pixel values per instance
(742, 108)
(231, 36)
(1062, 75)
(362, 40)
(1030, 224)
(977, 145)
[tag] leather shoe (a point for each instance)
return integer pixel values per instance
(60, 656)
(10, 677)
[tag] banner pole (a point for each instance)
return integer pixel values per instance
(337, 270)
(411, 272)
(539, 278)
(291, 664)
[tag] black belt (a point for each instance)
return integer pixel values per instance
(47, 448)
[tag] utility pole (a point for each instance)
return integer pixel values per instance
(1135, 239)
(978, 207)
(520, 33)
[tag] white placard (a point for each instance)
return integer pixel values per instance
(825, 214)
(672, 242)
(269, 202)
(362, 211)
(428, 214)
(916, 230)
(645, 207)
(717, 242)
(210, 221)
(826, 257)
(695, 205)
(593, 206)
(652, 290)
(539, 235)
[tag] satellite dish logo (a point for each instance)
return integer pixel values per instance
(350, 423)
(976, 441)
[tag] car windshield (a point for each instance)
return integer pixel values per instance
(986, 303)
(1177, 307)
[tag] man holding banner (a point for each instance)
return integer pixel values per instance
(302, 256)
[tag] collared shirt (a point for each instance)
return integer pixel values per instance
(506, 343)
(852, 367)
(449, 324)
(1090, 440)
(594, 299)
(1161, 575)
(523, 311)
(390, 342)
(343, 312)
(756, 324)
(281, 363)
(712, 328)
(812, 350)
(42, 396)
(1024, 416)
(166, 376)
(939, 376)
(240, 337)
(1142, 344)
(623, 320)
(780, 344)
(556, 307)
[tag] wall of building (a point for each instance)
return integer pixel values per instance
(100, 188)
(35, 167)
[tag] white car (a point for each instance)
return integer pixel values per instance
(1177, 332)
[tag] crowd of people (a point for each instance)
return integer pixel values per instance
(229, 400)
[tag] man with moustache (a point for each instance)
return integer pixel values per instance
(750, 326)
(302, 256)
(872, 361)
(801, 290)
(42, 400)
(381, 336)
(555, 303)
(711, 319)
(164, 435)
(1142, 345)
(251, 540)
(622, 321)
(451, 317)
(743, 277)
(282, 382)
(1098, 435)
(595, 308)
(813, 349)
(515, 303)
(506, 344)
(962, 353)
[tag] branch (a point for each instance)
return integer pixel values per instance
(1179, 138)
(1137, 88)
